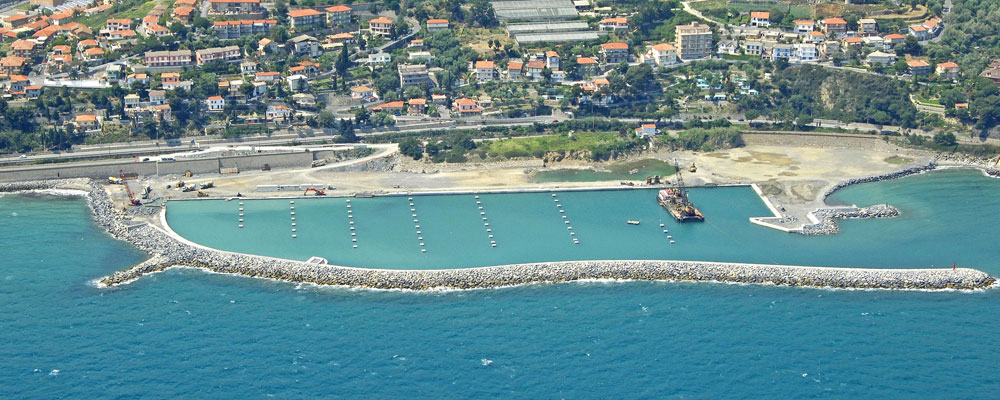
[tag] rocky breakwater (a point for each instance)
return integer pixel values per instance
(827, 217)
(166, 251)
(27, 185)
(882, 177)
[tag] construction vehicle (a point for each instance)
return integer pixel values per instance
(188, 188)
(114, 180)
(131, 197)
(207, 185)
(675, 200)
(318, 163)
(317, 191)
(146, 191)
(202, 194)
(693, 168)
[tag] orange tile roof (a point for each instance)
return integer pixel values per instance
(586, 60)
(183, 11)
(94, 51)
(514, 65)
(215, 98)
(664, 47)
(484, 65)
(361, 89)
(803, 22)
(437, 21)
(465, 102)
(615, 46)
(947, 64)
(834, 21)
(86, 118)
(760, 14)
(917, 63)
(303, 13)
(418, 102)
(615, 20)
(894, 36)
(380, 20)
(338, 9)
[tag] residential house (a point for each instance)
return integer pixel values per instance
(918, 67)
(614, 53)
(266, 46)
(93, 54)
(933, 26)
(760, 18)
(234, 7)
(853, 43)
(947, 70)
(166, 58)
(614, 24)
(62, 17)
(693, 41)
(215, 103)
(878, 57)
(920, 32)
(728, 47)
(227, 30)
(485, 71)
(131, 102)
(782, 50)
(420, 56)
(343, 37)
(157, 97)
(297, 83)
(305, 45)
(867, 27)
(467, 107)
(305, 19)
(18, 83)
(271, 76)
(815, 37)
(138, 78)
(363, 93)
(184, 15)
(15, 21)
(413, 75)
(804, 25)
(434, 25)
(86, 122)
(304, 99)
(515, 70)
(533, 69)
(587, 66)
(155, 30)
(806, 52)
(86, 44)
(224, 54)
(379, 58)
(753, 47)
(117, 24)
(12, 65)
(392, 107)
(646, 130)
(835, 27)
(380, 26)
(338, 15)
(416, 106)
(661, 54)
(552, 60)
(891, 40)
(278, 113)
(33, 91)
(992, 72)
(23, 48)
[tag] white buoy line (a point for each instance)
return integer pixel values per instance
(562, 214)
(486, 224)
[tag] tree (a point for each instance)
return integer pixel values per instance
(410, 147)
(326, 119)
(279, 34)
(483, 15)
(945, 139)
(343, 62)
(346, 130)
(546, 74)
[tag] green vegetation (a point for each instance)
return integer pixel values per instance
(808, 92)
(897, 160)
(704, 139)
(599, 145)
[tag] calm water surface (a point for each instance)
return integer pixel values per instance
(189, 334)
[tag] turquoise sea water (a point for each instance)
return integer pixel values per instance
(190, 334)
(940, 213)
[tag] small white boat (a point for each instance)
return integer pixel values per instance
(632, 222)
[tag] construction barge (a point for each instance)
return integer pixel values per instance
(675, 200)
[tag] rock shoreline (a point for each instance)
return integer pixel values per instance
(167, 251)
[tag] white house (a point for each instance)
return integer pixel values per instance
(215, 103)
(646, 130)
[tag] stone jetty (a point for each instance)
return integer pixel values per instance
(167, 251)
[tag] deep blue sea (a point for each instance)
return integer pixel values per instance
(190, 334)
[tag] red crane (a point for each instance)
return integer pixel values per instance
(131, 197)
